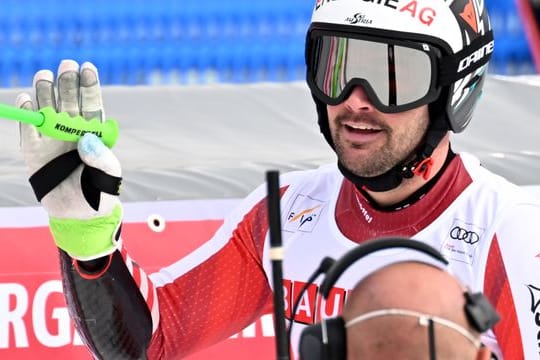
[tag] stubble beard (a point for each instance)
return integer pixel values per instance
(397, 149)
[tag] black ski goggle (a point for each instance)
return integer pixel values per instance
(396, 75)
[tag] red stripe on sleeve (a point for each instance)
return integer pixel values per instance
(497, 289)
(150, 296)
(136, 273)
(217, 298)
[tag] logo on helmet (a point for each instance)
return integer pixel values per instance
(425, 15)
(476, 56)
(469, 15)
(320, 3)
(384, 2)
(359, 18)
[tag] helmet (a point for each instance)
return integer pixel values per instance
(455, 36)
(404, 53)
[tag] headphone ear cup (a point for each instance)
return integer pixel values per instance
(480, 312)
(312, 347)
(337, 338)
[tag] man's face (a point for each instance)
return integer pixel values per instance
(369, 142)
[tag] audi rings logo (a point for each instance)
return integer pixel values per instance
(469, 237)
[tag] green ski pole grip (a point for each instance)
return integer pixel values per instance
(64, 127)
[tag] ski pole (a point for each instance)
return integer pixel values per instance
(62, 126)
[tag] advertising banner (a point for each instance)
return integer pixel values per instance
(34, 320)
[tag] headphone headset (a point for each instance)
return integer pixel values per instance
(327, 339)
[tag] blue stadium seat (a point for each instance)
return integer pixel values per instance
(165, 41)
(512, 53)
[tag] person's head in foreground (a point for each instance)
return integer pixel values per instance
(387, 316)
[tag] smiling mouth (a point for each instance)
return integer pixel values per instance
(359, 129)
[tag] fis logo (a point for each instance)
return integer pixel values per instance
(303, 214)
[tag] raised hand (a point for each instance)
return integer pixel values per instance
(77, 183)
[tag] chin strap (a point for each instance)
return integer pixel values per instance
(419, 165)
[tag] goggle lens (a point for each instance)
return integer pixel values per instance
(392, 74)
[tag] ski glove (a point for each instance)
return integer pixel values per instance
(77, 183)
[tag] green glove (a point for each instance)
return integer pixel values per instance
(85, 229)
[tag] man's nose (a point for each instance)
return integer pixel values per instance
(358, 100)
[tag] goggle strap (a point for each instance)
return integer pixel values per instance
(477, 54)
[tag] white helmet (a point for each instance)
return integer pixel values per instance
(404, 53)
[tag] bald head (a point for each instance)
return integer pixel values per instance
(412, 286)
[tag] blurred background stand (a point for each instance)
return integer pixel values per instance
(136, 42)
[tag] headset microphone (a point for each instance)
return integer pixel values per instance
(325, 264)
(367, 248)
(327, 339)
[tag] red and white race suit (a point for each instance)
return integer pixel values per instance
(484, 225)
